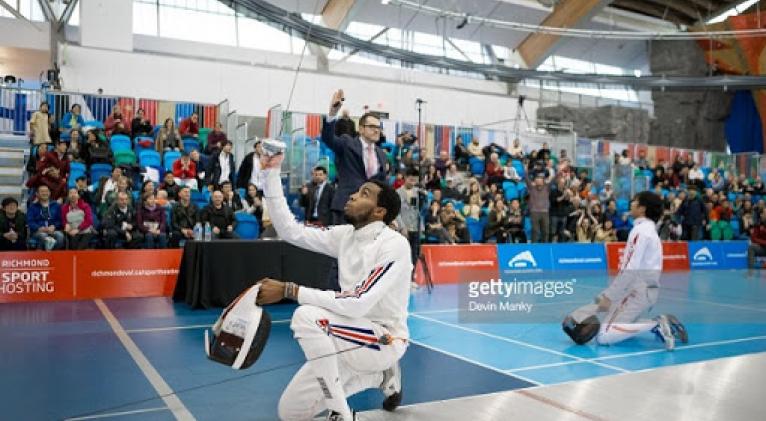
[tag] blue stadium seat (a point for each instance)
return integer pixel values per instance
(143, 143)
(190, 144)
(120, 142)
(510, 191)
(476, 229)
(99, 170)
(247, 226)
(519, 167)
(169, 158)
(476, 165)
(623, 205)
(149, 158)
(76, 169)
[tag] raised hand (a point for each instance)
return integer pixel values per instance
(337, 101)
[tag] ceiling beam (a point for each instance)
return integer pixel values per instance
(336, 14)
(683, 7)
(535, 48)
(666, 13)
(50, 16)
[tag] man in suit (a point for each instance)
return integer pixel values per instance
(250, 167)
(316, 199)
(221, 167)
(357, 159)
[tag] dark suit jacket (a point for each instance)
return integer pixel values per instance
(308, 201)
(349, 164)
(214, 169)
(245, 171)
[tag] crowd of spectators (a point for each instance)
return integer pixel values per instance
(477, 193)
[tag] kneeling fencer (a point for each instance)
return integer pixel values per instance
(352, 339)
(616, 314)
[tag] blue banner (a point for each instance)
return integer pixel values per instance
(718, 255)
(574, 256)
(524, 258)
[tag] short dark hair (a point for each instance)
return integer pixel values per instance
(321, 168)
(225, 183)
(365, 116)
(389, 200)
(652, 203)
(8, 200)
(412, 172)
(82, 177)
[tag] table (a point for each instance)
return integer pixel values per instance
(213, 273)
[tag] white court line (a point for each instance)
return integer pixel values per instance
(517, 342)
(638, 353)
(163, 329)
(470, 361)
(160, 386)
(117, 414)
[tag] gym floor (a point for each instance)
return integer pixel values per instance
(143, 359)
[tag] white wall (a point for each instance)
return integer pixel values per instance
(107, 24)
(22, 34)
(254, 81)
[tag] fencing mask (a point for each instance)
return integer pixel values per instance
(582, 324)
(240, 334)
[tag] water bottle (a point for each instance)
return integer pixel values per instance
(208, 232)
(198, 232)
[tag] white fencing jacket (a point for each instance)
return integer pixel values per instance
(374, 264)
(641, 261)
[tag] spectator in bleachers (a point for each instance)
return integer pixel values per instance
(695, 176)
(450, 192)
(516, 151)
(81, 184)
(693, 215)
(758, 187)
(757, 246)
(253, 202)
(148, 186)
(52, 171)
(230, 197)
(109, 185)
(539, 207)
(121, 128)
(215, 139)
(474, 150)
(345, 125)
(38, 154)
(432, 179)
(44, 220)
(608, 193)
(75, 152)
(407, 163)
(163, 201)
(250, 167)
(170, 186)
(77, 218)
(122, 186)
(624, 159)
(221, 167)
(641, 162)
(586, 227)
(119, 222)
(185, 172)
(53, 129)
(316, 198)
(71, 120)
(220, 217)
(442, 163)
(189, 127)
(516, 232)
(140, 125)
(497, 223)
(184, 217)
(458, 180)
(398, 180)
(454, 223)
(494, 170)
(168, 138)
(39, 126)
(150, 221)
(434, 227)
(510, 173)
(605, 232)
(559, 210)
(113, 119)
(96, 151)
(461, 153)
(13, 226)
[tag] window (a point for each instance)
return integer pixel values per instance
(206, 23)
(145, 18)
(261, 36)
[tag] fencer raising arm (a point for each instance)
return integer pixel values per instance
(320, 240)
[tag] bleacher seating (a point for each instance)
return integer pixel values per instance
(120, 143)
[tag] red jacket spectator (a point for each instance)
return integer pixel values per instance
(52, 170)
(189, 126)
(215, 138)
(87, 222)
(111, 123)
(758, 235)
(494, 170)
(188, 171)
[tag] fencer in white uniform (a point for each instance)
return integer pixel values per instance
(339, 331)
(636, 288)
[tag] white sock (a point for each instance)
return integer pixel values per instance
(618, 332)
(326, 371)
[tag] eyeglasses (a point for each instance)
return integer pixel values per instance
(371, 126)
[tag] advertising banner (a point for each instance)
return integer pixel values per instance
(450, 264)
(718, 255)
(675, 255)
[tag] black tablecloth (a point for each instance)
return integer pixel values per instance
(213, 273)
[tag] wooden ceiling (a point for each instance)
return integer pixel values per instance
(679, 12)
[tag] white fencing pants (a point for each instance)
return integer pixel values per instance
(344, 358)
(622, 319)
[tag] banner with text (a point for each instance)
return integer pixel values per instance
(71, 275)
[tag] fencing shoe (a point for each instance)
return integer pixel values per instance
(678, 329)
(392, 387)
(665, 332)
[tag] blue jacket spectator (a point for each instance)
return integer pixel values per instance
(72, 120)
(45, 221)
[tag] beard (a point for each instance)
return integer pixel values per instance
(360, 219)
